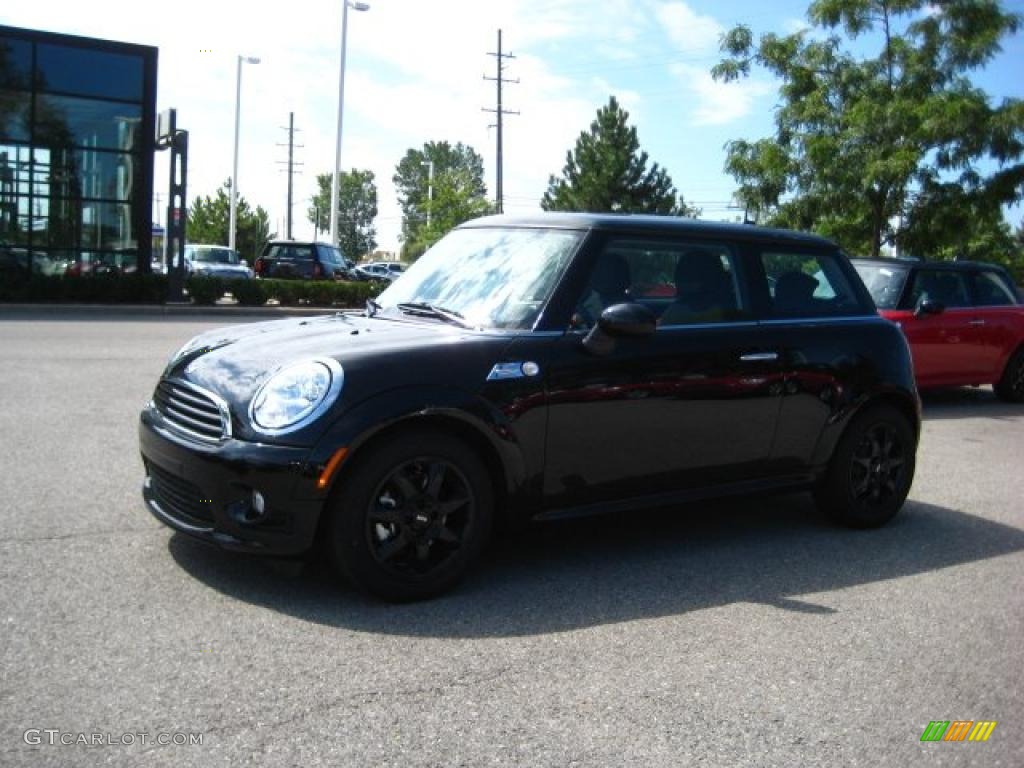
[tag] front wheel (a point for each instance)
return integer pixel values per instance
(871, 470)
(412, 516)
(1011, 386)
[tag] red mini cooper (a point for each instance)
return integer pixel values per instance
(964, 320)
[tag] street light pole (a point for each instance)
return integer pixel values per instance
(234, 168)
(336, 184)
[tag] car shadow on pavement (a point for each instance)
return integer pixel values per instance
(574, 574)
(967, 403)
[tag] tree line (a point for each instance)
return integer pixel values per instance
(890, 148)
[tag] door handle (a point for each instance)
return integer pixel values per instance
(976, 322)
(759, 357)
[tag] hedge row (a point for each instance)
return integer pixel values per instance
(98, 289)
(152, 289)
(256, 293)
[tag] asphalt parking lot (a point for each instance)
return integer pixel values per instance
(737, 634)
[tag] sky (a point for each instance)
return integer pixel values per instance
(415, 73)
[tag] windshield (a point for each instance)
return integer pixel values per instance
(884, 282)
(493, 278)
(215, 255)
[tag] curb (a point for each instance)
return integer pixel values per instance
(224, 312)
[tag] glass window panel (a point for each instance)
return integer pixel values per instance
(65, 121)
(808, 285)
(89, 72)
(87, 173)
(16, 63)
(107, 226)
(992, 290)
(946, 287)
(14, 112)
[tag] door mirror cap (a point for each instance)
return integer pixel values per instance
(929, 307)
(628, 319)
(619, 320)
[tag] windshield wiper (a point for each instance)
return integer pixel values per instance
(372, 307)
(434, 310)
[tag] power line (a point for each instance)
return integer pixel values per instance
(499, 202)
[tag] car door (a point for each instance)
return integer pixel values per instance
(814, 306)
(948, 347)
(692, 406)
(998, 319)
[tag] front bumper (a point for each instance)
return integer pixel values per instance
(205, 490)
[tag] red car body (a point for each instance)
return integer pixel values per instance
(964, 320)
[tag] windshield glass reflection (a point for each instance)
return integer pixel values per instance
(493, 278)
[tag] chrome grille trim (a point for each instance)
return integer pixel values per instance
(193, 410)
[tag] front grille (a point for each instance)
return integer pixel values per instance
(179, 498)
(192, 409)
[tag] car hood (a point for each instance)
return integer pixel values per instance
(235, 361)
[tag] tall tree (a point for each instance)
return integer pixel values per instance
(210, 217)
(869, 148)
(607, 172)
(455, 201)
(357, 208)
(459, 167)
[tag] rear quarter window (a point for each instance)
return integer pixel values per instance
(285, 252)
(808, 285)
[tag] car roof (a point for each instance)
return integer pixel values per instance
(298, 242)
(647, 223)
(962, 265)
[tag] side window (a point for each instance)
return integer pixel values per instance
(808, 285)
(944, 286)
(991, 290)
(682, 283)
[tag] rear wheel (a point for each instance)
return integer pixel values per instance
(871, 470)
(412, 516)
(1011, 386)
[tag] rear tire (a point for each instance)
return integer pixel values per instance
(1011, 386)
(871, 470)
(411, 517)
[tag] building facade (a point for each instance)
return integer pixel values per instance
(76, 153)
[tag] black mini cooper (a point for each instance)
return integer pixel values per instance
(532, 368)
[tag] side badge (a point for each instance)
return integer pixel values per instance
(502, 371)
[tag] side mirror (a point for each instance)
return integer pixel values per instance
(244, 262)
(619, 320)
(929, 307)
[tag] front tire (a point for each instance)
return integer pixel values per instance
(411, 517)
(1011, 386)
(871, 470)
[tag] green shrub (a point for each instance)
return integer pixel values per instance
(105, 289)
(249, 293)
(205, 290)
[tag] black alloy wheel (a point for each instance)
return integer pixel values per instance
(877, 465)
(871, 470)
(419, 516)
(1011, 386)
(411, 515)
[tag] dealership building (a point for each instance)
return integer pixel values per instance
(76, 152)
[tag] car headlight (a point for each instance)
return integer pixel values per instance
(295, 396)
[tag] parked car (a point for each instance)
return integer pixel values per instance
(512, 374)
(380, 270)
(216, 261)
(295, 260)
(964, 320)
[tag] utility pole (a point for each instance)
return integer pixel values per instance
(291, 165)
(499, 195)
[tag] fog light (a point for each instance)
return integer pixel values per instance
(258, 505)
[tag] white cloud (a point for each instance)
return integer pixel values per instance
(719, 103)
(691, 31)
